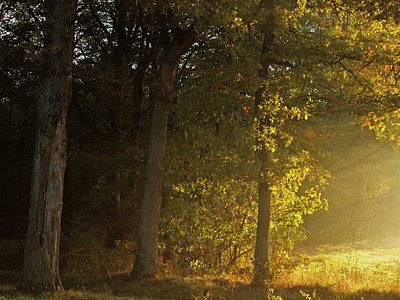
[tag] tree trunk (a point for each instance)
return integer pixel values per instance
(261, 260)
(119, 90)
(41, 257)
(164, 92)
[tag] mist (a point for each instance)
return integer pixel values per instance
(363, 194)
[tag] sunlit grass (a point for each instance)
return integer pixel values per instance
(347, 270)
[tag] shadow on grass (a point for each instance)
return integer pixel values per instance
(123, 287)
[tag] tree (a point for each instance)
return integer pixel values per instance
(261, 262)
(41, 257)
(315, 59)
(208, 221)
(114, 50)
(174, 46)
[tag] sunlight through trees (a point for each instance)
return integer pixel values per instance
(203, 137)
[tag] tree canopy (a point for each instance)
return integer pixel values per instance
(185, 114)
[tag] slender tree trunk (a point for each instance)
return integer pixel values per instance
(261, 259)
(164, 92)
(119, 89)
(41, 257)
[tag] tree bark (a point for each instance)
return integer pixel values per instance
(261, 259)
(41, 257)
(119, 90)
(164, 91)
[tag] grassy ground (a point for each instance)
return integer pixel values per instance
(328, 273)
(363, 272)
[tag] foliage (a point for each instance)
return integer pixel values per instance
(216, 226)
(19, 77)
(211, 157)
(83, 251)
(328, 58)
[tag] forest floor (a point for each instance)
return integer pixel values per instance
(345, 272)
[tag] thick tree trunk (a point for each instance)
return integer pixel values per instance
(261, 259)
(41, 258)
(164, 92)
(145, 263)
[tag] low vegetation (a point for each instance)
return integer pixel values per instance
(346, 272)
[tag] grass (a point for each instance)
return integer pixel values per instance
(348, 272)
(328, 273)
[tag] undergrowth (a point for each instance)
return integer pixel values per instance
(330, 273)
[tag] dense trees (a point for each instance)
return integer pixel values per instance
(213, 107)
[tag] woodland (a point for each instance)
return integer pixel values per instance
(153, 142)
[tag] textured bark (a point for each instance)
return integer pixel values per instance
(164, 92)
(261, 259)
(41, 257)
